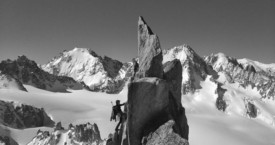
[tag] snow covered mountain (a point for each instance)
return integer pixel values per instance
(238, 86)
(79, 134)
(194, 67)
(246, 73)
(84, 65)
(28, 72)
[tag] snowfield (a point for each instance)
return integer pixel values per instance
(207, 125)
(79, 106)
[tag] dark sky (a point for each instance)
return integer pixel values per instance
(41, 29)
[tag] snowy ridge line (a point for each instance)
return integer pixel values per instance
(84, 65)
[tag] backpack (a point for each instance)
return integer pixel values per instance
(114, 113)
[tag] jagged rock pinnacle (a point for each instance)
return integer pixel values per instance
(154, 97)
(141, 22)
(149, 52)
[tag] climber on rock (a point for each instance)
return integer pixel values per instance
(117, 112)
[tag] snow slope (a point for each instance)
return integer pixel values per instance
(79, 106)
(210, 126)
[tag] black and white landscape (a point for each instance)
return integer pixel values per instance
(176, 96)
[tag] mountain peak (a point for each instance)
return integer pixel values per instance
(84, 65)
(142, 25)
(186, 48)
(182, 52)
(23, 58)
(85, 50)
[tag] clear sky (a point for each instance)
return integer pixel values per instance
(41, 29)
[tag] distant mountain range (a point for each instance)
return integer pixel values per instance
(83, 68)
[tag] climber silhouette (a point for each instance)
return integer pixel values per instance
(117, 112)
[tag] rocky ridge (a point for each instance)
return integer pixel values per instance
(8, 82)
(28, 72)
(244, 74)
(5, 140)
(87, 134)
(20, 116)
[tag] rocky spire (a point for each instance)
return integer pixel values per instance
(149, 52)
(154, 97)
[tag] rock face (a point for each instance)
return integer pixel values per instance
(87, 134)
(58, 126)
(165, 135)
(28, 72)
(149, 52)
(154, 98)
(171, 74)
(251, 109)
(244, 74)
(151, 104)
(8, 82)
(84, 65)
(147, 106)
(22, 116)
(220, 102)
(5, 140)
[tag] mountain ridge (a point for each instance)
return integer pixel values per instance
(28, 72)
(84, 65)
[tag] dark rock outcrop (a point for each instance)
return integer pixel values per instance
(164, 135)
(146, 107)
(8, 82)
(149, 52)
(220, 102)
(151, 104)
(171, 74)
(23, 116)
(5, 140)
(58, 126)
(111, 66)
(251, 109)
(87, 134)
